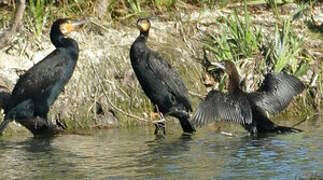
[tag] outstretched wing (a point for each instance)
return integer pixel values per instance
(169, 77)
(219, 106)
(40, 78)
(276, 92)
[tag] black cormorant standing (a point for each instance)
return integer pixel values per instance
(249, 109)
(163, 86)
(38, 88)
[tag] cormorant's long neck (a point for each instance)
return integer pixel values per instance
(143, 36)
(60, 41)
(56, 36)
(234, 81)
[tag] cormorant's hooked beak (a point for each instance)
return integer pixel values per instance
(210, 66)
(71, 25)
(215, 65)
(78, 23)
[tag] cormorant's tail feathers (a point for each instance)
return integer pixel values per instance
(270, 128)
(284, 129)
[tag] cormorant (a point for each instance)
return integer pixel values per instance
(249, 109)
(163, 86)
(38, 88)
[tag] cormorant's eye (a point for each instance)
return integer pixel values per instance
(65, 28)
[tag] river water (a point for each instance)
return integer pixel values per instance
(137, 154)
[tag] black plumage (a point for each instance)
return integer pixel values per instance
(37, 89)
(163, 86)
(249, 109)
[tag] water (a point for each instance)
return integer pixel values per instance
(137, 154)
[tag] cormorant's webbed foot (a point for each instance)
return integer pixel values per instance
(183, 118)
(3, 125)
(160, 124)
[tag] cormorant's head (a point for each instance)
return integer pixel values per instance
(225, 65)
(231, 70)
(215, 72)
(66, 26)
(143, 25)
(60, 29)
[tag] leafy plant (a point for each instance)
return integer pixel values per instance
(39, 10)
(305, 8)
(273, 5)
(239, 38)
(285, 48)
(135, 6)
(163, 3)
(111, 5)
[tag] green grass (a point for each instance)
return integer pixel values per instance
(6, 16)
(273, 5)
(286, 51)
(285, 48)
(43, 11)
(238, 39)
(39, 10)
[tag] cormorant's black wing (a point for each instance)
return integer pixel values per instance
(41, 77)
(276, 92)
(219, 106)
(169, 77)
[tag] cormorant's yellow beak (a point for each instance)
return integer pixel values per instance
(143, 25)
(71, 25)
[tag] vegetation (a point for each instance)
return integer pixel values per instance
(285, 50)
(39, 11)
(240, 40)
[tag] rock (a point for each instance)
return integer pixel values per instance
(10, 66)
(129, 79)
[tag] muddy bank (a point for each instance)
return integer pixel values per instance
(103, 91)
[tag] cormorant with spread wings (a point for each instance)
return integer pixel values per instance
(249, 109)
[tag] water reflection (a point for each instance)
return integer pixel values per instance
(36, 158)
(137, 153)
(162, 154)
(281, 156)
